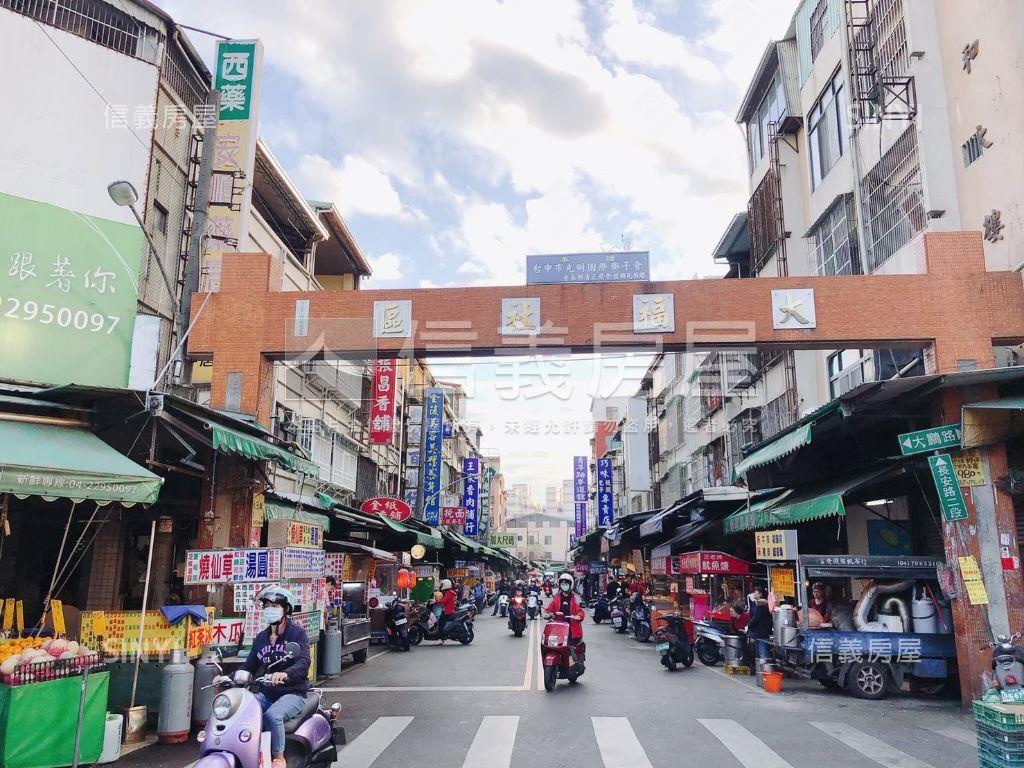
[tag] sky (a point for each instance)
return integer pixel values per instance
(458, 136)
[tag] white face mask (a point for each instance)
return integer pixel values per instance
(273, 614)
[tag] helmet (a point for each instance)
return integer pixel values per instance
(437, 597)
(277, 595)
(446, 584)
(567, 577)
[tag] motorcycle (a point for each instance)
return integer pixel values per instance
(673, 643)
(641, 620)
(532, 605)
(618, 614)
(396, 623)
(561, 661)
(503, 606)
(458, 627)
(469, 605)
(709, 643)
(517, 615)
(1008, 666)
(311, 737)
(547, 590)
(600, 610)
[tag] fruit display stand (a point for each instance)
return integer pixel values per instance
(38, 720)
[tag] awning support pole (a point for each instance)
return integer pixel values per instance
(142, 615)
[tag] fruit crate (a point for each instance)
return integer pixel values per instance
(51, 669)
(1004, 717)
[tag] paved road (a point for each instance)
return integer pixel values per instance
(484, 705)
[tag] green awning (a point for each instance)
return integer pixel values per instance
(229, 440)
(790, 509)
(775, 450)
(69, 463)
(429, 538)
(283, 510)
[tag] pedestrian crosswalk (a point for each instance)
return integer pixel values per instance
(614, 739)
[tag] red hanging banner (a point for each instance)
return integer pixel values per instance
(382, 406)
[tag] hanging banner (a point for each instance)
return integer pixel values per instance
(471, 494)
(580, 493)
(432, 441)
(237, 77)
(382, 406)
(605, 507)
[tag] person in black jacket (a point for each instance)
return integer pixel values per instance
(285, 695)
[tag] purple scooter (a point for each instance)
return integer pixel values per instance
(234, 736)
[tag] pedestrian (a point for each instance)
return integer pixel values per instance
(759, 621)
(479, 595)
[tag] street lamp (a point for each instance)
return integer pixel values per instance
(124, 194)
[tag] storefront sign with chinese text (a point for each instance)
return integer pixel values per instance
(782, 581)
(471, 494)
(710, 563)
(502, 539)
(453, 516)
(301, 563)
(228, 566)
(432, 442)
(605, 508)
(393, 509)
(580, 493)
(382, 405)
(973, 582)
(293, 533)
(775, 545)
(967, 465)
(617, 267)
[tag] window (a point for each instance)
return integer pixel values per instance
(827, 138)
(611, 414)
(893, 199)
(159, 218)
(547, 541)
(744, 430)
(771, 110)
(835, 241)
(776, 416)
(819, 27)
(847, 369)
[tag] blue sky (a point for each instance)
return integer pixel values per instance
(458, 137)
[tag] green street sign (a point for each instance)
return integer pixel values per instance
(503, 540)
(946, 485)
(237, 62)
(931, 439)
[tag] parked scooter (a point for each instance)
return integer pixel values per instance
(396, 623)
(640, 617)
(561, 661)
(311, 737)
(458, 627)
(469, 605)
(517, 615)
(532, 605)
(618, 613)
(709, 643)
(599, 610)
(503, 605)
(1008, 662)
(673, 643)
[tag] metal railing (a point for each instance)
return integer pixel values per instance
(892, 196)
(776, 416)
(835, 241)
(96, 21)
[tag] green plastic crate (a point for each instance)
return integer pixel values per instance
(1005, 717)
(995, 735)
(998, 756)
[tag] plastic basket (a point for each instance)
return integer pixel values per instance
(1005, 717)
(1001, 757)
(995, 735)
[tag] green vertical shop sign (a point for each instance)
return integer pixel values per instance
(68, 288)
(236, 64)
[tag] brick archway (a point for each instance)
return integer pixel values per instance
(954, 308)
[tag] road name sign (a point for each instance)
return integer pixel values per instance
(931, 439)
(950, 498)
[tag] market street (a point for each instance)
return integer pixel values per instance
(482, 705)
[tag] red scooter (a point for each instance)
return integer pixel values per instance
(560, 659)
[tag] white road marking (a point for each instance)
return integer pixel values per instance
(530, 648)
(745, 746)
(964, 736)
(493, 743)
(540, 654)
(619, 745)
(368, 745)
(870, 747)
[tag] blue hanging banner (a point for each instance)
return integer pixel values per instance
(432, 439)
(471, 494)
(580, 493)
(605, 508)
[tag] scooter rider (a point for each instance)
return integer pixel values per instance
(566, 603)
(286, 695)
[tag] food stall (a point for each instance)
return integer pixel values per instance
(349, 612)
(709, 582)
(888, 623)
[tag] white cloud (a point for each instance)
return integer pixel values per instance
(635, 40)
(356, 186)
(387, 267)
